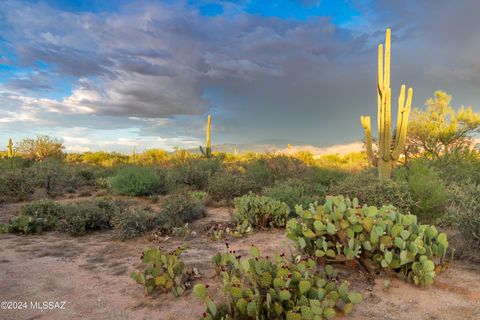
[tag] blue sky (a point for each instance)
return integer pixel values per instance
(117, 74)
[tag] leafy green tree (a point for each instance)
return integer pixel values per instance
(40, 148)
(439, 129)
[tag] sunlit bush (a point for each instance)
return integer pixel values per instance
(137, 181)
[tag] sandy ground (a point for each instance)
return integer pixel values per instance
(91, 274)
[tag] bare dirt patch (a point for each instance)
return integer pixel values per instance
(91, 273)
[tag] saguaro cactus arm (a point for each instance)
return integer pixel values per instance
(368, 140)
(402, 122)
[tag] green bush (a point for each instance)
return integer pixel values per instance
(137, 181)
(226, 186)
(49, 175)
(174, 180)
(296, 192)
(342, 230)
(90, 215)
(257, 170)
(285, 167)
(326, 176)
(196, 172)
(464, 210)
(427, 189)
(36, 217)
(366, 187)
(80, 176)
(259, 288)
(81, 217)
(260, 211)
(460, 165)
(16, 184)
(134, 222)
(179, 209)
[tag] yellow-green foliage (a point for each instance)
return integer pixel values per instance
(386, 157)
(353, 161)
(40, 148)
(439, 129)
(100, 158)
(152, 156)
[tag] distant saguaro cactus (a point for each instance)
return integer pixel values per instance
(208, 147)
(10, 148)
(386, 158)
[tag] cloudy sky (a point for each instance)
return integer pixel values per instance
(116, 74)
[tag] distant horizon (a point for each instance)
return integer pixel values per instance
(244, 148)
(109, 76)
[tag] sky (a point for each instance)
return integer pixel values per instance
(114, 75)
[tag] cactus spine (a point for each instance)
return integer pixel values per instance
(386, 158)
(10, 148)
(208, 148)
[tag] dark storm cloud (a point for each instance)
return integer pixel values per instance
(160, 60)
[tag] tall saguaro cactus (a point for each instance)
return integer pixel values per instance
(208, 147)
(10, 148)
(388, 151)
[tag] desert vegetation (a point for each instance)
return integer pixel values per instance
(405, 210)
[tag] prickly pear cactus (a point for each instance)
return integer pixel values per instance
(343, 230)
(274, 288)
(260, 211)
(164, 271)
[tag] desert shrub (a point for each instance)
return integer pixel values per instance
(137, 181)
(226, 185)
(179, 209)
(200, 196)
(464, 210)
(134, 222)
(163, 271)
(50, 175)
(259, 288)
(461, 165)
(326, 176)
(284, 167)
(15, 185)
(36, 217)
(152, 156)
(296, 192)
(14, 163)
(174, 180)
(257, 170)
(196, 172)
(82, 176)
(260, 211)
(89, 215)
(427, 189)
(73, 218)
(342, 230)
(353, 161)
(367, 188)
